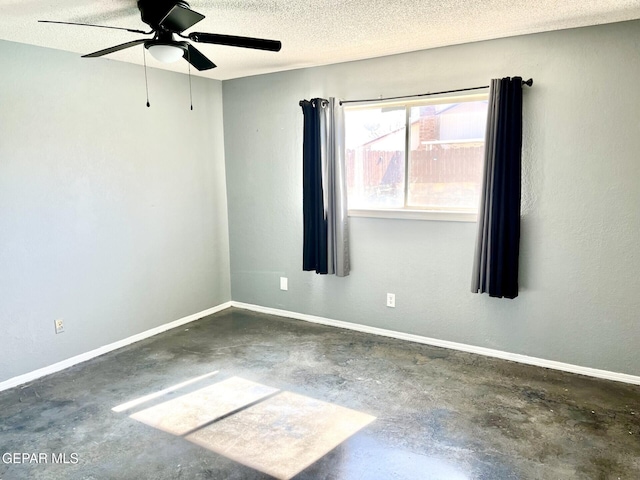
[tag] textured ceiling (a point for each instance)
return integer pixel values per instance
(312, 32)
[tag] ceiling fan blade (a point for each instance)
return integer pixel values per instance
(99, 26)
(233, 41)
(197, 59)
(180, 18)
(122, 46)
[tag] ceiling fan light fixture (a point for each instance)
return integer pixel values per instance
(165, 53)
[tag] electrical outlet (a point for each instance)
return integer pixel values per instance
(391, 300)
(59, 324)
(284, 283)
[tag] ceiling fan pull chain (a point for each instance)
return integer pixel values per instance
(146, 82)
(189, 63)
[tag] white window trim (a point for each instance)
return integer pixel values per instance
(411, 214)
(408, 213)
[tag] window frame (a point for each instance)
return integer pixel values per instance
(449, 214)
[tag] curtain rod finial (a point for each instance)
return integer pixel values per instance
(528, 82)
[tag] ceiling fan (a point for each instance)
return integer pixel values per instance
(168, 19)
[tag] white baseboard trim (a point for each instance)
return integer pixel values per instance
(83, 357)
(514, 357)
(488, 352)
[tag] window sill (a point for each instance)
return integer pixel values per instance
(407, 214)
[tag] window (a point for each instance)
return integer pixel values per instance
(416, 156)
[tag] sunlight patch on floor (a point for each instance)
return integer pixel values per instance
(282, 435)
(191, 411)
(152, 396)
(276, 432)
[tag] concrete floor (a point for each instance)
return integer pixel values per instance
(311, 402)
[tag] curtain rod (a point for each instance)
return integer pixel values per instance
(342, 102)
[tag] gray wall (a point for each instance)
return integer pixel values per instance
(580, 264)
(113, 215)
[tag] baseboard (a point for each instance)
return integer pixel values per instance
(488, 352)
(514, 357)
(83, 357)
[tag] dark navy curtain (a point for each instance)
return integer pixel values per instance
(324, 196)
(495, 269)
(314, 255)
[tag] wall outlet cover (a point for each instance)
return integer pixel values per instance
(59, 325)
(391, 300)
